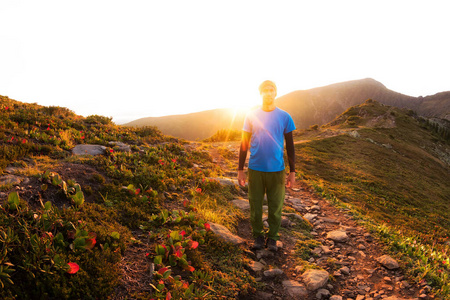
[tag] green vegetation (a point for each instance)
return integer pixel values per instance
(391, 175)
(66, 235)
(225, 135)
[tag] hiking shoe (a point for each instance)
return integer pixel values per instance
(259, 243)
(272, 245)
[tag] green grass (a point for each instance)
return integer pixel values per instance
(122, 198)
(392, 177)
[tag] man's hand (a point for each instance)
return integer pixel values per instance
(241, 177)
(290, 180)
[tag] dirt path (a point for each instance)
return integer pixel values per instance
(354, 272)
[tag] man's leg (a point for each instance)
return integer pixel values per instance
(275, 198)
(256, 192)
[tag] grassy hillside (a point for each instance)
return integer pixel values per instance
(67, 229)
(389, 165)
(195, 126)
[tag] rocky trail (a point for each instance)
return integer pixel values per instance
(345, 261)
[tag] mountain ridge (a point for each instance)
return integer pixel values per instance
(318, 105)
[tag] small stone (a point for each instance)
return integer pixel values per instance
(368, 237)
(323, 294)
(241, 204)
(317, 250)
(273, 273)
(263, 295)
(85, 149)
(295, 289)
(309, 217)
(336, 297)
(264, 254)
(405, 284)
(388, 262)
(344, 270)
(315, 279)
(225, 234)
(329, 220)
(337, 236)
(256, 266)
(326, 250)
(315, 207)
(387, 279)
(361, 247)
(285, 222)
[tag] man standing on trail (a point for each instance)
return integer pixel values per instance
(265, 130)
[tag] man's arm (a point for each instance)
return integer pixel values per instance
(291, 158)
(245, 142)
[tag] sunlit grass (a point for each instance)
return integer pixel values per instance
(217, 211)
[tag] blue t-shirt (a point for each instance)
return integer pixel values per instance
(267, 140)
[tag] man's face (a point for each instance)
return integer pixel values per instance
(268, 94)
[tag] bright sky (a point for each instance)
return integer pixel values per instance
(142, 58)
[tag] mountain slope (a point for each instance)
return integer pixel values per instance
(307, 107)
(387, 162)
(194, 126)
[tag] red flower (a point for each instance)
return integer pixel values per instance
(198, 190)
(91, 241)
(73, 268)
(82, 137)
(193, 244)
(147, 254)
(183, 233)
(174, 160)
(178, 253)
(48, 128)
(207, 227)
(137, 191)
(203, 180)
(190, 268)
(111, 150)
(161, 162)
(24, 141)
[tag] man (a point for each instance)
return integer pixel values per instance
(265, 130)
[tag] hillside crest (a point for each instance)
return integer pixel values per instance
(316, 106)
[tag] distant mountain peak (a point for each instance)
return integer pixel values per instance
(315, 106)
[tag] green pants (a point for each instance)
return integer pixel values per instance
(272, 184)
